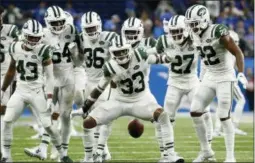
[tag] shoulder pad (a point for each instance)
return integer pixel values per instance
(108, 69)
(12, 47)
(150, 42)
(140, 54)
(220, 30)
(71, 28)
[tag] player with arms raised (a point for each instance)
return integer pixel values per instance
(30, 59)
(216, 47)
(183, 79)
(127, 69)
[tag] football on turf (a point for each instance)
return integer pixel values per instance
(135, 128)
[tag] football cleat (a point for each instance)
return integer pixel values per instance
(37, 152)
(106, 154)
(54, 153)
(230, 160)
(205, 156)
(4, 159)
(240, 132)
(87, 160)
(66, 159)
(173, 157)
(97, 158)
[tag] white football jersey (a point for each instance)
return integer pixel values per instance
(96, 54)
(29, 65)
(183, 67)
(217, 59)
(146, 43)
(9, 33)
(61, 57)
(131, 83)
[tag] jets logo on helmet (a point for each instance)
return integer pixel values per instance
(55, 19)
(91, 25)
(177, 29)
(201, 12)
(132, 29)
(120, 50)
(198, 18)
(32, 33)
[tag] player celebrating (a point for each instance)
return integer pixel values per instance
(128, 69)
(216, 47)
(9, 33)
(240, 102)
(59, 34)
(94, 44)
(30, 58)
(183, 79)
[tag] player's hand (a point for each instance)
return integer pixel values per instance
(78, 113)
(2, 95)
(73, 48)
(241, 77)
(49, 103)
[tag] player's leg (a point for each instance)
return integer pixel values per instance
(238, 111)
(202, 98)
(14, 109)
(217, 125)
(105, 113)
(148, 109)
(38, 103)
(207, 115)
(65, 105)
(171, 103)
(224, 93)
(4, 102)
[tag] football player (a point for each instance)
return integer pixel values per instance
(58, 34)
(239, 98)
(94, 49)
(9, 33)
(127, 68)
(183, 79)
(216, 47)
(30, 58)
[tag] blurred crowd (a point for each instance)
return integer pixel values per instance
(238, 15)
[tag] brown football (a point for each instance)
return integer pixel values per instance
(135, 128)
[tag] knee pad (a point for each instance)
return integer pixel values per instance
(223, 113)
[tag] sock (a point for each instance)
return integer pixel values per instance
(229, 137)
(159, 138)
(7, 139)
(238, 111)
(105, 131)
(2, 131)
(96, 137)
(45, 141)
(217, 123)
(166, 132)
(88, 143)
(209, 126)
(65, 132)
(55, 139)
(200, 128)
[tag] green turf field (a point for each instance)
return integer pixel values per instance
(124, 148)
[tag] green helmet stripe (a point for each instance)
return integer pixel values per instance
(191, 10)
(175, 23)
(133, 22)
(172, 20)
(54, 11)
(58, 11)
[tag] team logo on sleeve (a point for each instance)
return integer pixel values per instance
(136, 67)
(190, 49)
(208, 40)
(34, 57)
(101, 42)
(67, 36)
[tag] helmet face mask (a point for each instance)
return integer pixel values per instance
(91, 25)
(197, 18)
(132, 35)
(55, 19)
(32, 33)
(120, 50)
(132, 29)
(177, 29)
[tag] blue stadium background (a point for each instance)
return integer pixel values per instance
(240, 19)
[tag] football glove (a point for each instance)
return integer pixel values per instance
(242, 79)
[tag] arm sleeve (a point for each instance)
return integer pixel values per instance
(49, 78)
